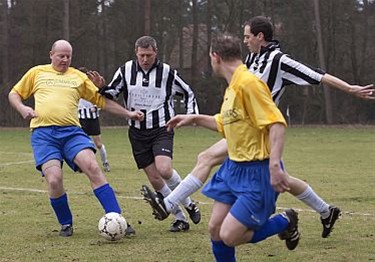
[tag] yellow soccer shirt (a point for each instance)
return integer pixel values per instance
(57, 94)
(246, 113)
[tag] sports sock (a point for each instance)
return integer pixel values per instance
(173, 182)
(61, 207)
(273, 226)
(188, 186)
(222, 252)
(107, 198)
(103, 154)
(176, 211)
(310, 198)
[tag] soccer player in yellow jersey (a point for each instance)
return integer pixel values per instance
(56, 133)
(246, 186)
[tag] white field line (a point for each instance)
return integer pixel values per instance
(17, 154)
(17, 163)
(141, 198)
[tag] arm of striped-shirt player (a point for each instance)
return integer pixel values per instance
(116, 86)
(180, 86)
(294, 72)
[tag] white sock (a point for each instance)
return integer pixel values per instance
(173, 183)
(310, 198)
(103, 154)
(176, 211)
(188, 186)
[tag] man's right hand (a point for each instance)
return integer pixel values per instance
(27, 112)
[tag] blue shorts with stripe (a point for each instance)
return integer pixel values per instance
(246, 186)
(61, 143)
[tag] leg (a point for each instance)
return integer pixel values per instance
(221, 251)
(329, 214)
(206, 161)
(86, 160)
(102, 152)
(59, 201)
(155, 178)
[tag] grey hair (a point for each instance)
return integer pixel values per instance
(145, 42)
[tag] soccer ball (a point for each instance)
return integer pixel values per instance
(112, 226)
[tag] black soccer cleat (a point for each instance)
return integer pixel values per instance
(66, 230)
(329, 222)
(194, 212)
(155, 199)
(129, 231)
(179, 226)
(291, 235)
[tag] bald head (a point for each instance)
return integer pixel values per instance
(61, 55)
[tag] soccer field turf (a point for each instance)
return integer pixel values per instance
(338, 162)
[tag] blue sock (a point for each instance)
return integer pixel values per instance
(107, 198)
(222, 252)
(62, 210)
(273, 226)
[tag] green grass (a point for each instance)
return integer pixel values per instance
(339, 163)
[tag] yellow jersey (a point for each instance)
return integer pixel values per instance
(57, 94)
(246, 113)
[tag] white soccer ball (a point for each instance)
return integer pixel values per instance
(112, 226)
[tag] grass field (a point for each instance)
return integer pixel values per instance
(339, 163)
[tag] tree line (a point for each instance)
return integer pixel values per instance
(103, 32)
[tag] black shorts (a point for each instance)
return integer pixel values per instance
(90, 126)
(146, 144)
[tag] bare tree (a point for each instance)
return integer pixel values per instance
(327, 94)
(194, 52)
(4, 43)
(66, 28)
(147, 17)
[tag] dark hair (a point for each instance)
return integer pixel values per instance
(261, 24)
(227, 46)
(145, 42)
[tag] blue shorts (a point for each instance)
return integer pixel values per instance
(246, 186)
(62, 143)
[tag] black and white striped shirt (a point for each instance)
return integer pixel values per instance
(86, 110)
(150, 92)
(279, 70)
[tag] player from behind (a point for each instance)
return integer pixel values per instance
(56, 134)
(278, 70)
(246, 186)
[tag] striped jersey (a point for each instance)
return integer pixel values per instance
(150, 92)
(87, 110)
(279, 70)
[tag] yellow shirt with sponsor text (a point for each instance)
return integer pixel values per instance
(57, 94)
(246, 113)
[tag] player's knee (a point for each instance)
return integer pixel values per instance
(205, 158)
(55, 183)
(165, 171)
(228, 238)
(91, 168)
(214, 231)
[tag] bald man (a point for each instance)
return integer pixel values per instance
(56, 133)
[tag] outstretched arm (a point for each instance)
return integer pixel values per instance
(15, 101)
(364, 92)
(185, 120)
(114, 108)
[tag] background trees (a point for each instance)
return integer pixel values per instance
(103, 32)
